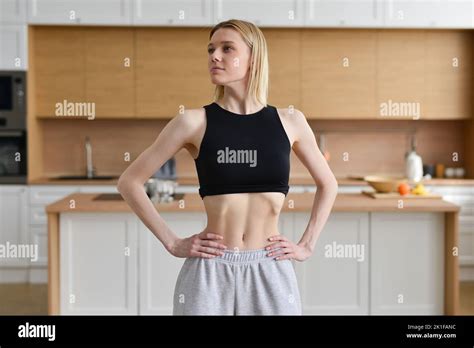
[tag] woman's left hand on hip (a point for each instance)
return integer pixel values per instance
(286, 249)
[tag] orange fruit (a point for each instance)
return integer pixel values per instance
(404, 188)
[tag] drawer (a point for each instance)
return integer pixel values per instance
(48, 194)
(39, 237)
(99, 189)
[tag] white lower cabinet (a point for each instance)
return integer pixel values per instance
(98, 271)
(159, 269)
(13, 227)
(335, 279)
(407, 263)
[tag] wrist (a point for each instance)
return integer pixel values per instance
(307, 245)
(171, 244)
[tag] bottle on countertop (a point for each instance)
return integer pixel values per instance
(413, 163)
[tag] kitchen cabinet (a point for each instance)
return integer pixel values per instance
(109, 73)
(429, 14)
(172, 13)
(408, 276)
(284, 46)
(331, 283)
(60, 71)
(73, 67)
(464, 197)
(338, 77)
(400, 79)
(104, 282)
(159, 269)
(448, 75)
(265, 13)
(108, 12)
(39, 196)
(13, 230)
(164, 85)
(13, 50)
(343, 13)
(13, 11)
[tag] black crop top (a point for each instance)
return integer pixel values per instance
(243, 153)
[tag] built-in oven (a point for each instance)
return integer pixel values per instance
(13, 156)
(12, 99)
(13, 159)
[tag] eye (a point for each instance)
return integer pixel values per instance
(226, 47)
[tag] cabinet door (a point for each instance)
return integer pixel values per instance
(170, 13)
(109, 77)
(449, 73)
(13, 11)
(158, 268)
(60, 68)
(407, 263)
(343, 13)
(264, 13)
(400, 79)
(98, 263)
(13, 226)
(164, 84)
(339, 74)
(79, 12)
(13, 51)
(335, 279)
(284, 46)
(429, 14)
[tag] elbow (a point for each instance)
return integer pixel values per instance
(121, 183)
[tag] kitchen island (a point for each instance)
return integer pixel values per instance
(374, 256)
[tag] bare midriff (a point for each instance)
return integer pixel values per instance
(245, 220)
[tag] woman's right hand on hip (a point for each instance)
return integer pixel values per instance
(204, 244)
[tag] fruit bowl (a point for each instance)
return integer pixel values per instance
(384, 183)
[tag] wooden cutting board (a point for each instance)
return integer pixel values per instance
(392, 195)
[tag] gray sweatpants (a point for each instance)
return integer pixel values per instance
(243, 282)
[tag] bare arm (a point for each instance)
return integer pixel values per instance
(172, 138)
(307, 150)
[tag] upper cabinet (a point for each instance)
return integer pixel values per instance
(110, 12)
(13, 11)
(172, 13)
(90, 66)
(265, 13)
(13, 51)
(343, 13)
(429, 14)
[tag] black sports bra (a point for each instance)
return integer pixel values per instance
(243, 153)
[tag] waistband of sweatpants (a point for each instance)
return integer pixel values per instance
(244, 256)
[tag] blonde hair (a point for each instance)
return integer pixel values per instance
(257, 87)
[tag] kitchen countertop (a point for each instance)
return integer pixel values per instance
(293, 181)
(84, 202)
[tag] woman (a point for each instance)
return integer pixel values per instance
(239, 264)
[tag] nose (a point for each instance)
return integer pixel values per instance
(215, 57)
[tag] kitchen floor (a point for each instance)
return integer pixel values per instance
(32, 299)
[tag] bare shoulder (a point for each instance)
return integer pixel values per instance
(291, 115)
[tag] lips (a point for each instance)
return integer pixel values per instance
(216, 68)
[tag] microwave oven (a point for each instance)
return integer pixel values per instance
(12, 100)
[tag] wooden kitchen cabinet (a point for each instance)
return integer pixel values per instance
(85, 65)
(448, 75)
(338, 73)
(60, 67)
(110, 71)
(400, 59)
(284, 56)
(171, 71)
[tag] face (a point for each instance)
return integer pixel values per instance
(230, 54)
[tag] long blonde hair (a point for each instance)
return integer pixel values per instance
(257, 87)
